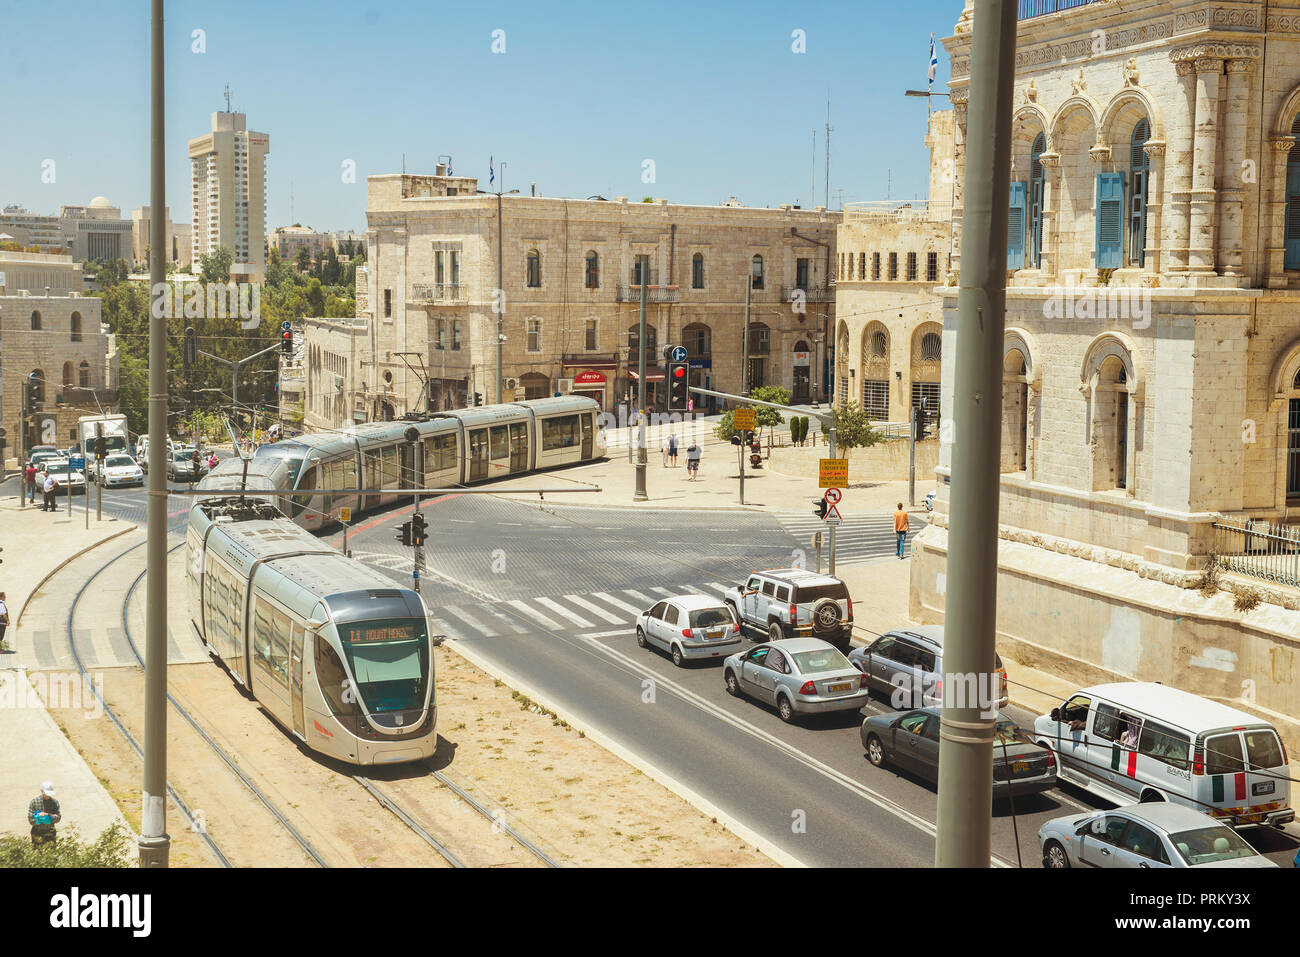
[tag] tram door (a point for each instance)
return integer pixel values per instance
(295, 681)
(518, 447)
(408, 477)
(478, 454)
(587, 437)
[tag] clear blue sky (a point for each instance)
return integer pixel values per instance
(709, 90)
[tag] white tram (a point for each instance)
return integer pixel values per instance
(330, 648)
(459, 447)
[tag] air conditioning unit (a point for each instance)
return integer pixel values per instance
(564, 386)
(511, 382)
(338, 383)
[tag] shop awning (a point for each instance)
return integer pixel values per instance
(652, 374)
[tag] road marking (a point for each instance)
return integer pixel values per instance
(662, 591)
(638, 595)
(522, 606)
(460, 521)
(564, 612)
(468, 619)
(594, 609)
(605, 597)
(607, 634)
(516, 524)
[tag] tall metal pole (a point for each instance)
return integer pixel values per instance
(964, 820)
(99, 474)
(830, 441)
(640, 494)
(911, 459)
(155, 845)
(501, 296)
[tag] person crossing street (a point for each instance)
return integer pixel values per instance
(900, 529)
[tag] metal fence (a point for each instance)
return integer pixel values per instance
(1039, 8)
(1259, 549)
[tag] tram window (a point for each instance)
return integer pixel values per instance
(500, 442)
(333, 680)
(440, 452)
(560, 432)
(262, 636)
(307, 483)
(391, 467)
(280, 646)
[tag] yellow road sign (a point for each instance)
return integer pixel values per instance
(833, 473)
(743, 420)
(345, 514)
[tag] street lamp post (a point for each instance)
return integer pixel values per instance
(499, 300)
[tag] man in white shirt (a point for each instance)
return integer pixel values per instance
(51, 504)
(4, 617)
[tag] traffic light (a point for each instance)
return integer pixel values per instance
(404, 533)
(33, 391)
(286, 339)
(922, 419)
(418, 526)
(820, 508)
(101, 447)
(678, 380)
(478, 398)
(190, 350)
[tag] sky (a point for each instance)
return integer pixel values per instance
(583, 95)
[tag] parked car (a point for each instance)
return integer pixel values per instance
(690, 626)
(789, 602)
(1144, 836)
(181, 467)
(66, 481)
(1139, 741)
(797, 675)
(906, 665)
(119, 470)
(910, 741)
(41, 454)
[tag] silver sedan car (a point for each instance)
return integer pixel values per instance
(1154, 835)
(690, 626)
(798, 676)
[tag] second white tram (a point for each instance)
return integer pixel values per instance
(329, 647)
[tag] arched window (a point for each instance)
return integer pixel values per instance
(36, 319)
(879, 345)
(756, 272)
(1139, 173)
(83, 375)
(651, 341)
(696, 338)
(697, 271)
(536, 385)
(534, 271)
(1036, 196)
(75, 327)
(931, 347)
(1291, 258)
(67, 375)
(1293, 442)
(593, 270)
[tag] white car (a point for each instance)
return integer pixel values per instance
(1154, 835)
(65, 479)
(690, 626)
(119, 470)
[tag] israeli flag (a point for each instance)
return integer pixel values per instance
(934, 60)
(492, 173)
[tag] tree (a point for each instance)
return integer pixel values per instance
(215, 266)
(303, 259)
(315, 298)
(763, 417)
(853, 427)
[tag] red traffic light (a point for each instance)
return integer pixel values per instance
(679, 372)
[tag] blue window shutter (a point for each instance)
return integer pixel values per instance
(1110, 219)
(1291, 258)
(1016, 227)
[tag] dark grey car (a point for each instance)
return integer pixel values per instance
(910, 742)
(906, 666)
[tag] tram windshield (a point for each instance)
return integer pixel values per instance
(291, 453)
(390, 661)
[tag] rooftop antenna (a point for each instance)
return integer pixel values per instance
(227, 95)
(812, 194)
(889, 185)
(828, 150)
(291, 219)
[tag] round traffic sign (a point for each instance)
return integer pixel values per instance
(833, 496)
(679, 354)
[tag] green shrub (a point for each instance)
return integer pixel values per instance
(111, 849)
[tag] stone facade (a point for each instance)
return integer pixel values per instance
(60, 338)
(569, 284)
(1152, 358)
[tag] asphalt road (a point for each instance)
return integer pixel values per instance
(546, 596)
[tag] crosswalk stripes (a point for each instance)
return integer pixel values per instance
(563, 612)
(860, 538)
(527, 609)
(611, 600)
(594, 609)
(40, 649)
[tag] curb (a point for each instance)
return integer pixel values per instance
(61, 565)
(701, 804)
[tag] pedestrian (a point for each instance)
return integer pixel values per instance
(693, 461)
(43, 813)
(51, 505)
(212, 461)
(900, 528)
(29, 475)
(4, 617)
(672, 450)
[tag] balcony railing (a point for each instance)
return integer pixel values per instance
(886, 211)
(1259, 549)
(438, 292)
(653, 293)
(819, 293)
(1029, 9)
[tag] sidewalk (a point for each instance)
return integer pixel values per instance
(717, 487)
(35, 544)
(880, 591)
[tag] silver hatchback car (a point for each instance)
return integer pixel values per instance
(797, 675)
(690, 626)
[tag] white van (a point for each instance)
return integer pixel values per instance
(1139, 741)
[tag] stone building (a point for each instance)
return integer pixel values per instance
(228, 186)
(56, 334)
(889, 319)
(289, 239)
(95, 231)
(571, 279)
(1152, 357)
(178, 239)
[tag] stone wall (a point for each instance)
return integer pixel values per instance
(886, 462)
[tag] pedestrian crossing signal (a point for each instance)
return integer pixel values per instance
(404, 533)
(418, 526)
(820, 508)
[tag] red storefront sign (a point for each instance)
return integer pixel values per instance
(589, 379)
